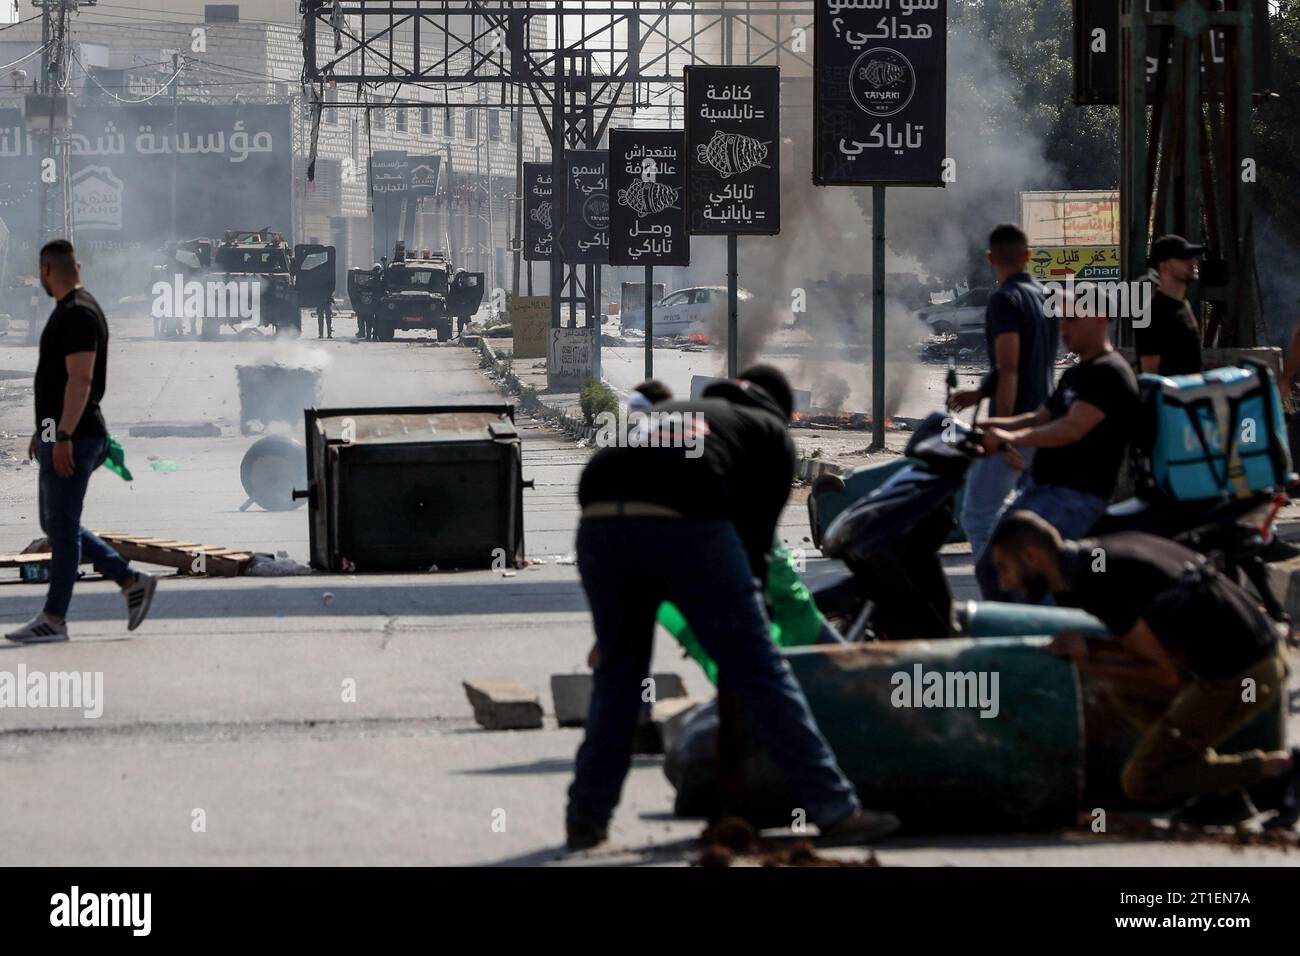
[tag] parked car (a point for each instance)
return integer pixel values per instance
(692, 311)
(964, 314)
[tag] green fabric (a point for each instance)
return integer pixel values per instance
(796, 621)
(116, 460)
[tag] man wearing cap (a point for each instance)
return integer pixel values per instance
(1170, 344)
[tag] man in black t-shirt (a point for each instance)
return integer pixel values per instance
(1196, 658)
(70, 442)
(1170, 344)
(1080, 435)
(689, 518)
(1022, 340)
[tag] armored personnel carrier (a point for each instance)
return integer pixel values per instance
(247, 256)
(413, 291)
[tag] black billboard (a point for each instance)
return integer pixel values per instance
(586, 210)
(1097, 51)
(880, 92)
(539, 212)
(233, 169)
(733, 136)
(647, 186)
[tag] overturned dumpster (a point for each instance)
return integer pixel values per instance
(917, 732)
(414, 488)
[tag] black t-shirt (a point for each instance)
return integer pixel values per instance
(1092, 463)
(77, 324)
(1215, 627)
(1017, 306)
(1172, 335)
(742, 472)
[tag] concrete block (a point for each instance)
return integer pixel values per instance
(669, 715)
(502, 703)
(571, 694)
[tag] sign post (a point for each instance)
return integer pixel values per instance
(647, 217)
(733, 177)
(586, 227)
(879, 100)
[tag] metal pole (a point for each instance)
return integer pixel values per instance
(877, 318)
(557, 169)
(649, 322)
(733, 344)
(175, 135)
(518, 244)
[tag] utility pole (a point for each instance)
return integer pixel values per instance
(176, 82)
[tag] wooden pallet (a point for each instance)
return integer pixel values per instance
(181, 555)
(218, 561)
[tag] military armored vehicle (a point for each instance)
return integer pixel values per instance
(413, 291)
(187, 259)
(260, 255)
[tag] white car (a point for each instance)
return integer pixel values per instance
(963, 314)
(692, 311)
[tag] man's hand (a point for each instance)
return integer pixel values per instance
(997, 439)
(63, 464)
(963, 398)
(1069, 644)
(33, 445)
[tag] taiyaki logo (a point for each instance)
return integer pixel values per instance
(542, 214)
(647, 196)
(96, 199)
(595, 211)
(882, 82)
(733, 153)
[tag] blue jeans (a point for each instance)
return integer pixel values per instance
(1068, 510)
(988, 483)
(60, 511)
(630, 565)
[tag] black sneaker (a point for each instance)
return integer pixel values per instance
(1288, 808)
(582, 837)
(1216, 810)
(859, 827)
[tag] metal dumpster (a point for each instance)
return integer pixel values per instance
(410, 488)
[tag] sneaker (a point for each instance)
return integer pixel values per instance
(581, 837)
(39, 630)
(1288, 808)
(138, 598)
(860, 826)
(1216, 810)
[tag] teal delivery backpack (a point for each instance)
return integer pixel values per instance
(1220, 434)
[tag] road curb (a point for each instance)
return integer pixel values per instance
(508, 383)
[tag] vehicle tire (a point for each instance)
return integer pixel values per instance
(272, 467)
(943, 328)
(384, 331)
(209, 329)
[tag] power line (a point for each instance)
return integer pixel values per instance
(120, 99)
(24, 59)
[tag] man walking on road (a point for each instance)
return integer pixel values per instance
(69, 443)
(689, 518)
(1022, 342)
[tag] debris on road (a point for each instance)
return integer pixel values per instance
(187, 557)
(502, 703)
(571, 696)
(176, 430)
(163, 465)
(278, 565)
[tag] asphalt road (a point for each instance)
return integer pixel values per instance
(228, 705)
